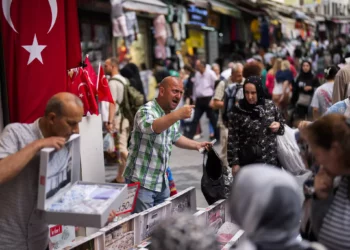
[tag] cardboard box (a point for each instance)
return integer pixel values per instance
(60, 236)
(150, 218)
(216, 214)
(184, 201)
(123, 234)
(202, 216)
(59, 176)
(93, 242)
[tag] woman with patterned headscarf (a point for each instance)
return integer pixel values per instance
(270, 219)
(253, 126)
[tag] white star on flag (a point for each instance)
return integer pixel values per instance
(81, 95)
(35, 51)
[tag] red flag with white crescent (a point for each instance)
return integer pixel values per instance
(104, 93)
(41, 41)
(80, 85)
(91, 72)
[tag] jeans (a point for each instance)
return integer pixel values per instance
(147, 198)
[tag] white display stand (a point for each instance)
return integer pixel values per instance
(60, 236)
(59, 174)
(184, 201)
(150, 218)
(91, 149)
(202, 215)
(216, 215)
(95, 240)
(122, 234)
(234, 241)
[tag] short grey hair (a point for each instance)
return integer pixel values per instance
(236, 66)
(215, 65)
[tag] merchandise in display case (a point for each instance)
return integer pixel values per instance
(184, 201)
(150, 218)
(92, 242)
(129, 203)
(60, 236)
(122, 235)
(68, 201)
(216, 215)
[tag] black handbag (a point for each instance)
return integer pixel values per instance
(251, 153)
(216, 180)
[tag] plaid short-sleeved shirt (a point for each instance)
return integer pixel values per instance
(149, 152)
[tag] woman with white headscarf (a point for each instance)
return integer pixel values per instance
(266, 204)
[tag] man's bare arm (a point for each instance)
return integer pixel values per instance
(12, 165)
(165, 122)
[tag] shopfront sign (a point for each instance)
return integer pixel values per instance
(197, 16)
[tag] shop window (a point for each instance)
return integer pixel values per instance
(96, 42)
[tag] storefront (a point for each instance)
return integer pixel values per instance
(196, 44)
(98, 35)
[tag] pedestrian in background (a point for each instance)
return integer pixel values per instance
(322, 99)
(303, 90)
(203, 91)
(253, 126)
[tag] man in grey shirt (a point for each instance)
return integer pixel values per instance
(22, 226)
(116, 85)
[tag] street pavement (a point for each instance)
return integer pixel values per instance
(187, 170)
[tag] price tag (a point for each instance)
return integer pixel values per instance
(129, 203)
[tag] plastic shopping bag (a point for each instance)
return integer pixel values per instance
(108, 143)
(111, 148)
(289, 153)
(216, 180)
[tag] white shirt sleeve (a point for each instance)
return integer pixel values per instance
(315, 103)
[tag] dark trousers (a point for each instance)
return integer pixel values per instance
(202, 105)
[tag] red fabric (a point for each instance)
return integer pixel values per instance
(32, 80)
(81, 86)
(294, 71)
(270, 82)
(104, 93)
(91, 72)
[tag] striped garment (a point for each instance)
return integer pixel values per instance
(335, 231)
(149, 153)
(172, 187)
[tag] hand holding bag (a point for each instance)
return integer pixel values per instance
(216, 181)
(304, 100)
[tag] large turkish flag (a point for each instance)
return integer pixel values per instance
(41, 41)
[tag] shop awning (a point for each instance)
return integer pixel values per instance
(154, 6)
(199, 3)
(225, 9)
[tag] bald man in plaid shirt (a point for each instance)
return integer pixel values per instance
(156, 129)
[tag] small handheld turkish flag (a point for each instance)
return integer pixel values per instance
(91, 72)
(104, 93)
(81, 85)
(41, 42)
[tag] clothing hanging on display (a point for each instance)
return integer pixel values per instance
(118, 19)
(183, 19)
(160, 27)
(132, 26)
(119, 27)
